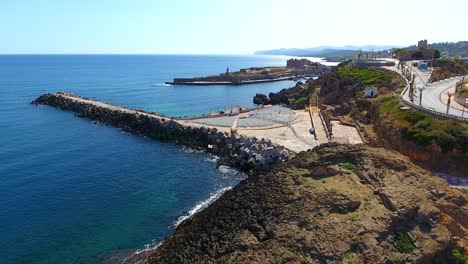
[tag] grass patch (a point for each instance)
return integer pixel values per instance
(346, 255)
(367, 76)
(459, 256)
(348, 166)
(353, 216)
(311, 182)
(301, 102)
(403, 242)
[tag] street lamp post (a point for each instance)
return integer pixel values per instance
(464, 105)
(449, 101)
(420, 95)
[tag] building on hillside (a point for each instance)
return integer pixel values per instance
(302, 63)
(371, 91)
(422, 44)
(422, 65)
(421, 53)
(307, 65)
(373, 63)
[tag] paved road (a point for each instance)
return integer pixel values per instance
(434, 93)
(434, 96)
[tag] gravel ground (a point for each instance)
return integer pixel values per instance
(258, 118)
(276, 114)
(254, 122)
(223, 121)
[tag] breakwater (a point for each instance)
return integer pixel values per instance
(234, 81)
(244, 153)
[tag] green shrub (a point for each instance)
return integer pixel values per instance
(445, 141)
(424, 129)
(348, 166)
(459, 256)
(301, 102)
(403, 242)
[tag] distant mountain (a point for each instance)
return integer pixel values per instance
(328, 52)
(320, 50)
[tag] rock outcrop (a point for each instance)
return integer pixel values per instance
(336, 203)
(247, 154)
(261, 99)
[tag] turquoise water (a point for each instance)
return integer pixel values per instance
(72, 191)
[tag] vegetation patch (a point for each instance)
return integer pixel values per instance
(367, 76)
(301, 102)
(452, 254)
(458, 256)
(403, 242)
(448, 67)
(345, 255)
(355, 244)
(424, 129)
(348, 166)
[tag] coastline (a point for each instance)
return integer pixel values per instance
(137, 256)
(309, 210)
(195, 83)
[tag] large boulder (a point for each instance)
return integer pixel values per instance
(278, 98)
(261, 99)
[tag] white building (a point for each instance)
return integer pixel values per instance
(370, 91)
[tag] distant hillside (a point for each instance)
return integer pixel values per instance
(448, 49)
(451, 49)
(328, 52)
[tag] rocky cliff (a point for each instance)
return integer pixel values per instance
(446, 68)
(335, 204)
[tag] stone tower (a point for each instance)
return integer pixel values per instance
(422, 44)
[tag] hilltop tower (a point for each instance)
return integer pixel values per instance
(422, 44)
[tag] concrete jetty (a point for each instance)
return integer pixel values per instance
(244, 153)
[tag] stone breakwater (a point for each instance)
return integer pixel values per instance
(244, 153)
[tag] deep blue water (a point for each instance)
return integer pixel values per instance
(71, 190)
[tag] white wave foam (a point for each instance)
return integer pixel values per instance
(148, 247)
(230, 172)
(191, 150)
(202, 205)
(227, 171)
(212, 158)
(161, 84)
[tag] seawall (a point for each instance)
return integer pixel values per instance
(247, 154)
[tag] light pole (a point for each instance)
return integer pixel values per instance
(464, 105)
(420, 95)
(449, 100)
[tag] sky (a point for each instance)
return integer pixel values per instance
(222, 26)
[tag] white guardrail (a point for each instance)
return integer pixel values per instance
(428, 111)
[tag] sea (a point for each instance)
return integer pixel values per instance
(72, 191)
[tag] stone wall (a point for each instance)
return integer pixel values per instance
(247, 154)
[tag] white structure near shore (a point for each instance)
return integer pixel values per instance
(371, 91)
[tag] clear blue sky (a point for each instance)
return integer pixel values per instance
(222, 27)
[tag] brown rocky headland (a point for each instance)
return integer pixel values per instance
(334, 204)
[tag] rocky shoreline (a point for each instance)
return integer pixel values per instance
(333, 204)
(246, 154)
